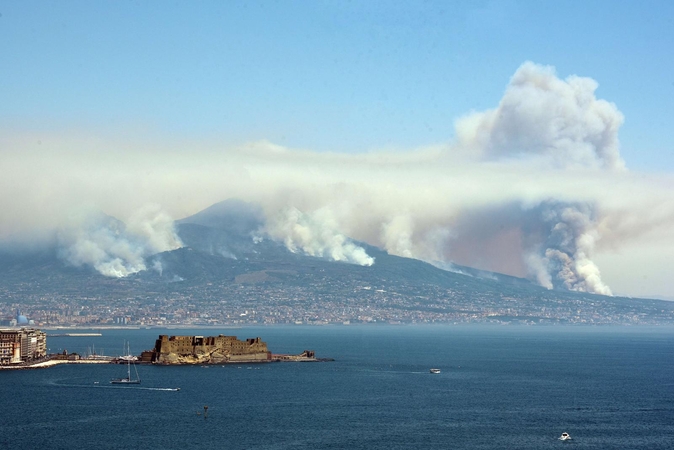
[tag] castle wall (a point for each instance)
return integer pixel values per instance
(251, 357)
(207, 349)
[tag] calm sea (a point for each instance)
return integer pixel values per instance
(500, 388)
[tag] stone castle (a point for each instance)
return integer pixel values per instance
(206, 350)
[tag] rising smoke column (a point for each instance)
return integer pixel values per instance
(315, 234)
(113, 248)
(396, 235)
(561, 124)
(409, 236)
(563, 257)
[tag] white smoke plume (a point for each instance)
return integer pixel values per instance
(158, 267)
(541, 115)
(316, 234)
(564, 255)
(405, 235)
(154, 228)
(113, 249)
(397, 236)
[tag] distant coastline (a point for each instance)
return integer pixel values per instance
(137, 327)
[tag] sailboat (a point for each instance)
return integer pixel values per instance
(127, 379)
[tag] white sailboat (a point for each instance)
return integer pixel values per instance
(127, 379)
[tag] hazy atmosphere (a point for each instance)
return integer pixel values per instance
(527, 138)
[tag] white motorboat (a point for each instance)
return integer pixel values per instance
(435, 370)
(565, 437)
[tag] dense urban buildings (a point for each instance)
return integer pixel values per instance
(22, 345)
(331, 302)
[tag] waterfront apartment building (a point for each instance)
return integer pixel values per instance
(21, 345)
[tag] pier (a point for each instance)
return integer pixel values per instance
(74, 335)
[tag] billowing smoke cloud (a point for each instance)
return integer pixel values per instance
(316, 234)
(541, 115)
(113, 249)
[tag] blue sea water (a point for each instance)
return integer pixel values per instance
(500, 388)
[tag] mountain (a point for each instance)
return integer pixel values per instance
(230, 272)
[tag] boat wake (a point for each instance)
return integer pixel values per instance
(98, 385)
(135, 388)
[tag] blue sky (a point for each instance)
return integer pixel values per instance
(338, 76)
(419, 127)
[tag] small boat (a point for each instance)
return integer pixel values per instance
(565, 437)
(435, 370)
(127, 379)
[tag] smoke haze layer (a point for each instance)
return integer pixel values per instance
(534, 188)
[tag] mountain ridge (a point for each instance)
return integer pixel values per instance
(228, 268)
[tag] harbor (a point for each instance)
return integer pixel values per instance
(167, 350)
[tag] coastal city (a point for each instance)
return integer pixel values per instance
(332, 303)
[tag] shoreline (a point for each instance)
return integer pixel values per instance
(55, 362)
